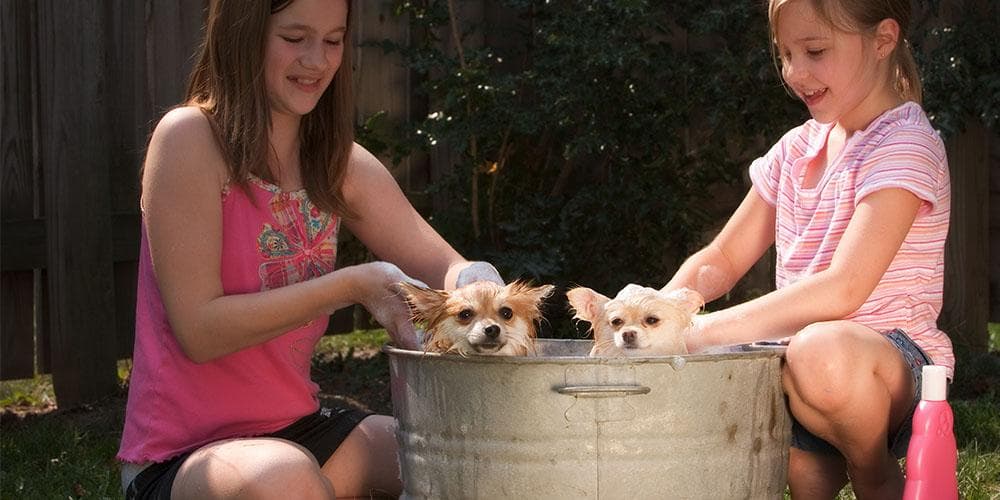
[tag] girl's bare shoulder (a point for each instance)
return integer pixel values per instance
(184, 125)
(184, 143)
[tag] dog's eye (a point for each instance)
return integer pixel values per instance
(506, 313)
(652, 320)
(465, 314)
(617, 322)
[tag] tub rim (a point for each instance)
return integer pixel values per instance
(736, 351)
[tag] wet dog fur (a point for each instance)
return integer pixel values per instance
(639, 321)
(480, 318)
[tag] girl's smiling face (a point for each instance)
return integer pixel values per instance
(303, 51)
(837, 74)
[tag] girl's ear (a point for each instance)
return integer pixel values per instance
(886, 37)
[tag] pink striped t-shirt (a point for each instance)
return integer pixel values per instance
(273, 239)
(899, 149)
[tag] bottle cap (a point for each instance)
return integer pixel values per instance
(935, 383)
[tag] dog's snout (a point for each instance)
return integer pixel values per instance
(492, 331)
(628, 337)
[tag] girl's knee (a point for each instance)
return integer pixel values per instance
(817, 366)
(253, 468)
(291, 479)
(366, 463)
(817, 350)
(378, 426)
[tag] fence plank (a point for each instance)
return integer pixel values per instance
(994, 202)
(17, 142)
(965, 311)
(17, 344)
(75, 133)
(173, 32)
(126, 274)
(382, 81)
(129, 116)
(43, 324)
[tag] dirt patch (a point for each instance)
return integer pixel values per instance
(359, 379)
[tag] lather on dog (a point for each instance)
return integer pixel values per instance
(479, 318)
(639, 321)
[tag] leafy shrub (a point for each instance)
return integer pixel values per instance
(599, 142)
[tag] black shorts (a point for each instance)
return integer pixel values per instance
(898, 442)
(320, 433)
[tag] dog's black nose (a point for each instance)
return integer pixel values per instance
(628, 336)
(492, 331)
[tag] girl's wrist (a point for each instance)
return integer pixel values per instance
(700, 334)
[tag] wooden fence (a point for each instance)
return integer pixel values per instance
(83, 84)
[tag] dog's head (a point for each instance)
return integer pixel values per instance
(480, 318)
(639, 321)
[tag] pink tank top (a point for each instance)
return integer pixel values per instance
(176, 405)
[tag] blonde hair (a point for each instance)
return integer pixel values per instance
(227, 83)
(863, 16)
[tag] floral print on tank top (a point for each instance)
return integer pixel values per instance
(301, 245)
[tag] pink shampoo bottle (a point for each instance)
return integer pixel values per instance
(932, 457)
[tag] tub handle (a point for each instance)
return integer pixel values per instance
(602, 391)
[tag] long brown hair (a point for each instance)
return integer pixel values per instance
(863, 16)
(227, 83)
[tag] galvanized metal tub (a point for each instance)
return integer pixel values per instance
(564, 425)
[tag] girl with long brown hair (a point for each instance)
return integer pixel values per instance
(243, 192)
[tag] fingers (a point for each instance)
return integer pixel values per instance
(385, 301)
(394, 315)
(478, 271)
(404, 336)
(692, 336)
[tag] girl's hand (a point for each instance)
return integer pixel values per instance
(379, 293)
(693, 337)
(478, 271)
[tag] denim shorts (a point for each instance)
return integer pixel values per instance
(915, 359)
(321, 433)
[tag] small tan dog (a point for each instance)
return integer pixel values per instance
(480, 318)
(639, 321)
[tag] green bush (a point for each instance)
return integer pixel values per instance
(599, 142)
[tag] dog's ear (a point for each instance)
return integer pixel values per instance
(424, 302)
(533, 293)
(586, 303)
(527, 299)
(690, 300)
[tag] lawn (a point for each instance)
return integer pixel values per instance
(47, 453)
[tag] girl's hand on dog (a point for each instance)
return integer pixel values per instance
(693, 338)
(478, 271)
(379, 293)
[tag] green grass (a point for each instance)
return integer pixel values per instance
(71, 454)
(33, 392)
(359, 340)
(47, 458)
(994, 329)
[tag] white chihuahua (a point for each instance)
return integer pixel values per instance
(639, 321)
(479, 318)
